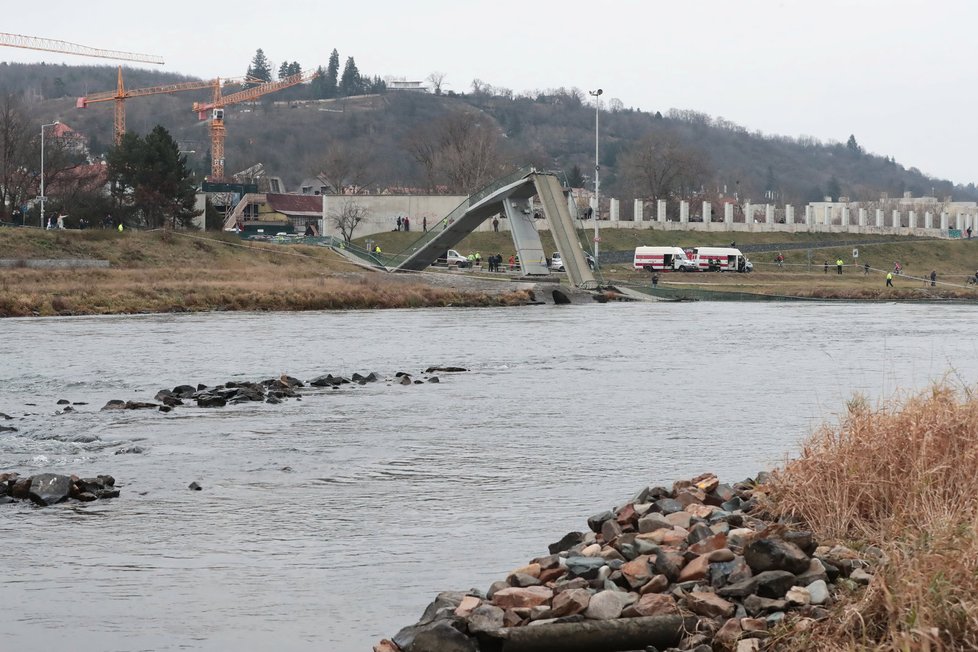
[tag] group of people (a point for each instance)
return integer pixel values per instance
(403, 223)
(494, 262)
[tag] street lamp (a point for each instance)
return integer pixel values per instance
(597, 177)
(42, 198)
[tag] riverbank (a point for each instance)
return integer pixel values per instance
(174, 272)
(890, 494)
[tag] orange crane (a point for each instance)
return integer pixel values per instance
(120, 95)
(216, 109)
(50, 45)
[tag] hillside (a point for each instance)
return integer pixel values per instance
(381, 140)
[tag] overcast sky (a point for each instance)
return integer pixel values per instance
(899, 74)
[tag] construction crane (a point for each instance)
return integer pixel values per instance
(49, 45)
(216, 110)
(120, 95)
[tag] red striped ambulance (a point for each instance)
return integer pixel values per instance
(663, 258)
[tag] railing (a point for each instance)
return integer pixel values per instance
(458, 212)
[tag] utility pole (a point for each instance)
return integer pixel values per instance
(597, 174)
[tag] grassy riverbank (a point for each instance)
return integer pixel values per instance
(902, 477)
(157, 272)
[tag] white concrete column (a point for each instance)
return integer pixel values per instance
(707, 212)
(896, 219)
(958, 222)
(728, 213)
(845, 216)
(863, 217)
(748, 213)
(827, 215)
(613, 210)
(944, 220)
(808, 215)
(912, 220)
(789, 214)
(684, 211)
(879, 217)
(638, 210)
(928, 220)
(769, 214)
(660, 210)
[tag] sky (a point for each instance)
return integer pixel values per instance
(897, 74)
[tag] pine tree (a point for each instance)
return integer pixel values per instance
(350, 82)
(330, 82)
(283, 70)
(260, 67)
(294, 69)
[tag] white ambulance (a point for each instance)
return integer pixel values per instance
(721, 259)
(663, 258)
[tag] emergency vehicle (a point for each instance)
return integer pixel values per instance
(721, 259)
(663, 258)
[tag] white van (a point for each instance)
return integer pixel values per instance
(721, 259)
(663, 258)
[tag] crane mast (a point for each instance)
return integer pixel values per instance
(216, 109)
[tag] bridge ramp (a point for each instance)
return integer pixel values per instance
(557, 212)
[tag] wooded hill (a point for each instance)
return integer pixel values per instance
(456, 142)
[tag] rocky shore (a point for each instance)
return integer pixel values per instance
(50, 488)
(700, 566)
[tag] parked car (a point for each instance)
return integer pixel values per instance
(557, 264)
(452, 257)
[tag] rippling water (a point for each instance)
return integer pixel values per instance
(328, 523)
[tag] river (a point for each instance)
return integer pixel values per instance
(328, 523)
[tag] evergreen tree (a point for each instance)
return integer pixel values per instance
(853, 146)
(294, 69)
(350, 82)
(283, 70)
(261, 67)
(331, 81)
(575, 179)
(150, 179)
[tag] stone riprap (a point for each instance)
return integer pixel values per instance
(51, 488)
(698, 567)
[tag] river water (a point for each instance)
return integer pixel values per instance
(328, 523)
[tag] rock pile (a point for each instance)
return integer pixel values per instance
(49, 488)
(695, 567)
(271, 390)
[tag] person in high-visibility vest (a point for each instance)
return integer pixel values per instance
(889, 279)
(838, 264)
(120, 227)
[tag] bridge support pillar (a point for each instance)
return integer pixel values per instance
(660, 210)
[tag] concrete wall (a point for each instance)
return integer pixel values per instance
(383, 211)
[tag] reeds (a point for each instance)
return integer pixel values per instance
(902, 477)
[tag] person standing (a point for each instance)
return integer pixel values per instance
(825, 267)
(655, 279)
(495, 224)
(120, 227)
(424, 223)
(865, 269)
(407, 223)
(839, 264)
(933, 278)
(889, 279)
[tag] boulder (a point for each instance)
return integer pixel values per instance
(570, 602)
(773, 584)
(605, 605)
(441, 636)
(430, 370)
(115, 404)
(652, 604)
(775, 555)
(467, 606)
(185, 391)
(758, 606)
(49, 488)
(530, 596)
(652, 522)
(798, 596)
(586, 567)
(818, 592)
(697, 569)
(568, 541)
(211, 400)
(140, 405)
(595, 522)
(485, 618)
(710, 605)
(610, 530)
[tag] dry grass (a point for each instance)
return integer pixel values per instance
(156, 272)
(903, 477)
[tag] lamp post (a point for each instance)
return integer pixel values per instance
(597, 176)
(42, 198)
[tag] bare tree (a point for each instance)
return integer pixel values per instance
(347, 218)
(15, 153)
(346, 167)
(437, 80)
(659, 165)
(459, 151)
